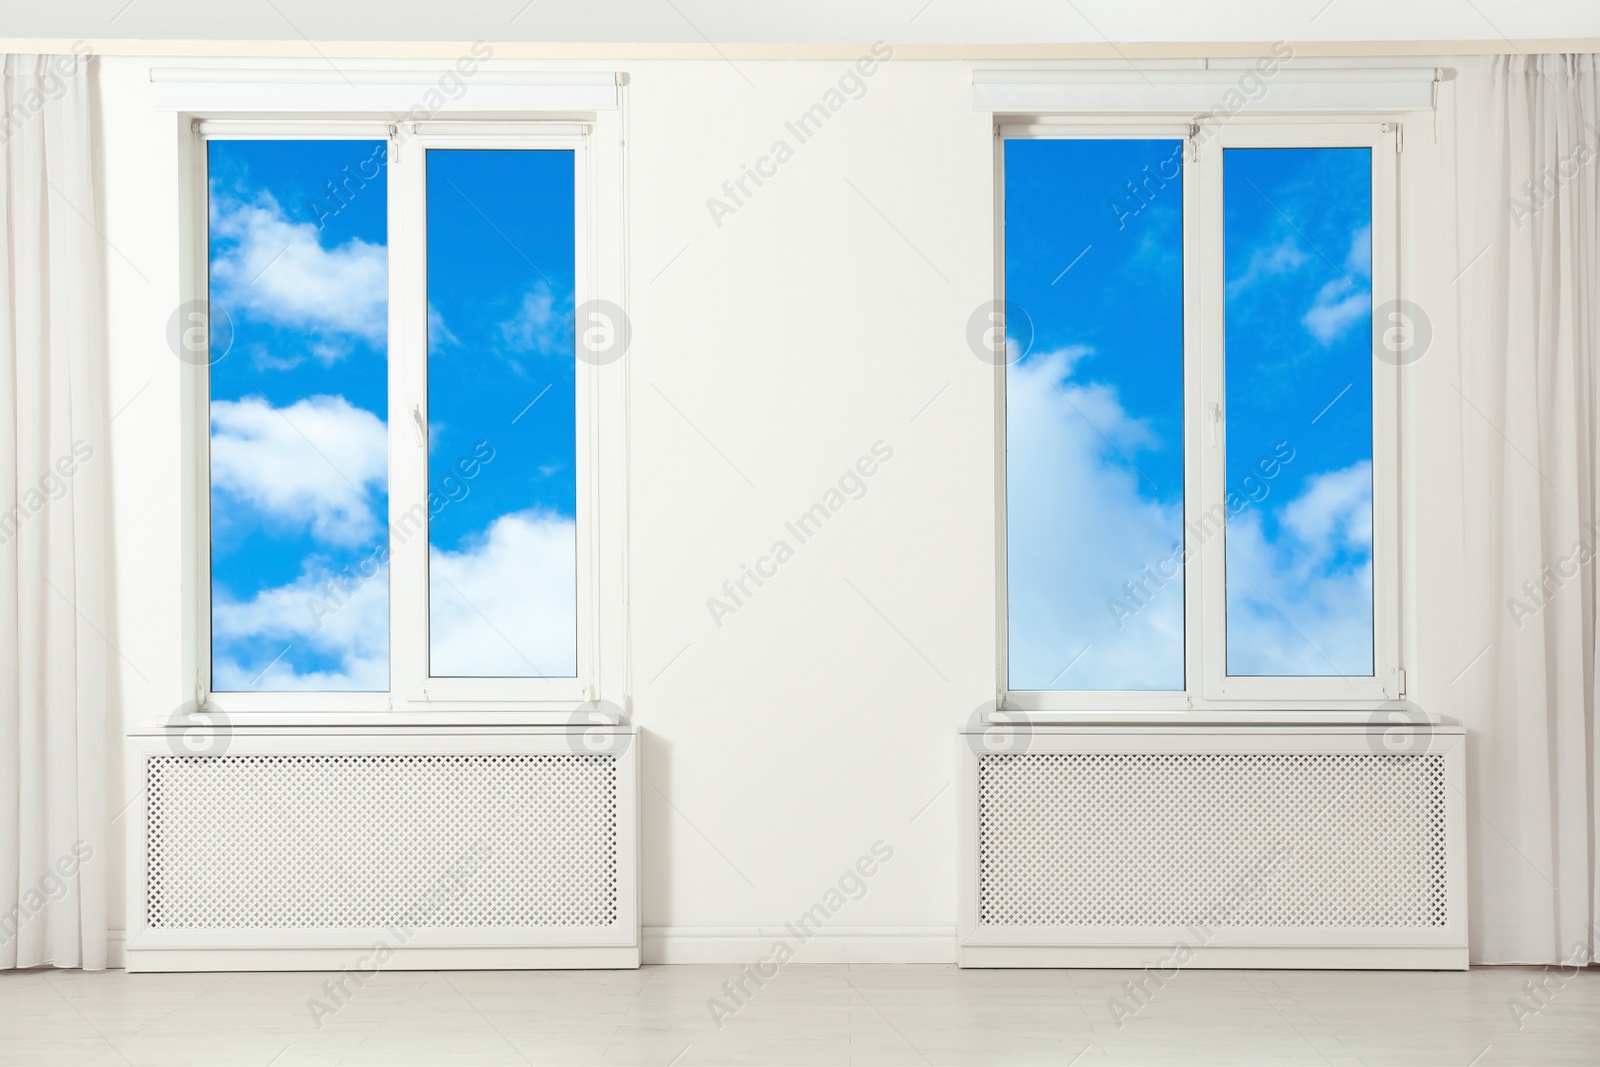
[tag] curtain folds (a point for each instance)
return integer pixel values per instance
(53, 548)
(1526, 185)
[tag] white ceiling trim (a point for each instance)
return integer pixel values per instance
(170, 49)
(420, 91)
(816, 22)
(1198, 92)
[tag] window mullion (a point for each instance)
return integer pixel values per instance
(1203, 535)
(408, 414)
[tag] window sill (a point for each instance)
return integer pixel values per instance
(1265, 717)
(345, 728)
(439, 719)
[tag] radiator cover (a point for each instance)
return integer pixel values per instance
(1312, 847)
(375, 841)
(484, 843)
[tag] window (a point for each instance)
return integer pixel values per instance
(502, 541)
(397, 459)
(1200, 432)
(1297, 255)
(299, 415)
(1094, 415)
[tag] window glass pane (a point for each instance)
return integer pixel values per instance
(298, 265)
(502, 443)
(1094, 414)
(1298, 244)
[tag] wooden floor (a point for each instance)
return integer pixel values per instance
(803, 1015)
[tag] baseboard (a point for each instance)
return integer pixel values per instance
(1251, 957)
(405, 959)
(870, 944)
(846, 944)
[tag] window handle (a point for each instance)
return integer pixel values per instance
(416, 418)
(1216, 423)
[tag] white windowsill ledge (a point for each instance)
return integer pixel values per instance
(345, 729)
(1383, 717)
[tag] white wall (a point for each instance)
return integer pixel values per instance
(957, 22)
(820, 318)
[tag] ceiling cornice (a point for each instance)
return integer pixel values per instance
(648, 51)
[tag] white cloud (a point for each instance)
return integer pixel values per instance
(279, 270)
(311, 614)
(439, 333)
(1281, 258)
(1081, 524)
(1078, 528)
(1302, 604)
(1339, 305)
(506, 605)
(540, 324)
(263, 359)
(1347, 300)
(1359, 260)
(313, 464)
(1335, 511)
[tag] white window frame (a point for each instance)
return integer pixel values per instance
(414, 697)
(1381, 685)
(410, 617)
(1207, 686)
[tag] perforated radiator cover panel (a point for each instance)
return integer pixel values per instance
(1214, 839)
(362, 841)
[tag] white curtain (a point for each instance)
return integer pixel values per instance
(53, 550)
(1525, 176)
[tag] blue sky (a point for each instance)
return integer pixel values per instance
(500, 291)
(1095, 415)
(1298, 320)
(1094, 410)
(300, 408)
